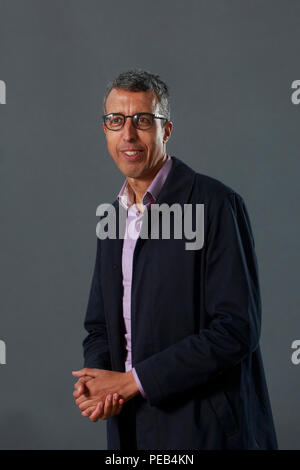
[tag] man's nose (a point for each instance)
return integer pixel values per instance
(129, 131)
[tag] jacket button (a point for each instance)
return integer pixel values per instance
(115, 266)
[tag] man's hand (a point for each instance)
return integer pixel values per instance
(94, 387)
(112, 406)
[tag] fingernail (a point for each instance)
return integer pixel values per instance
(109, 398)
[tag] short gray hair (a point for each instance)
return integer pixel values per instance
(141, 80)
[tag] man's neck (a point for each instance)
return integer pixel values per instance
(138, 187)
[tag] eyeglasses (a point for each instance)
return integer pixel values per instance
(142, 121)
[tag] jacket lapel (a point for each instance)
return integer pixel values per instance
(176, 189)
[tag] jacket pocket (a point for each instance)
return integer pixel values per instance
(223, 410)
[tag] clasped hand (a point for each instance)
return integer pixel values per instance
(101, 393)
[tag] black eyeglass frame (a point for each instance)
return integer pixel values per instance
(134, 119)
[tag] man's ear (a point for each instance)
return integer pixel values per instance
(104, 128)
(167, 130)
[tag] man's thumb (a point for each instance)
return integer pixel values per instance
(85, 371)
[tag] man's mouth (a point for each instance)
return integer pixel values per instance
(132, 154)
(131, 151)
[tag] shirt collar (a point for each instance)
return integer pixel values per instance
(125, 196)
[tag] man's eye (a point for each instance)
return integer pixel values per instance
(144, 120)
(116, 120)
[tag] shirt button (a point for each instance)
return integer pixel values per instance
(115, 266)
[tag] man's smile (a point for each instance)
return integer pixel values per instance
(132, 154)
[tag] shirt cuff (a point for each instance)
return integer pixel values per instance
(138, 383)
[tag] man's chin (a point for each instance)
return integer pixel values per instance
(131, 170)
(132, 174)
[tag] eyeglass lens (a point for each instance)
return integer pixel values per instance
(140, 121)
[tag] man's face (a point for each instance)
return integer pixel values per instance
(150, 144)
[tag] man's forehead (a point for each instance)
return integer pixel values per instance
(118, 98)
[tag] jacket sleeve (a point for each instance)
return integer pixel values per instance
(231, 306)
(95, 345)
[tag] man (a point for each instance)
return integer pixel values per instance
(172, 356)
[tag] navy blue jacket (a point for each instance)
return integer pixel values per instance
(196, 323)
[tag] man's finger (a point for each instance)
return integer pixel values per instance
(80, 387)
(97, 411)
(82, 381)
(113, 406)
(85, 371)
(107, 407)
(121, 402)
(116, 407)
(84, 397)
(96, 414)
(88, 411)
(85, 404)
(81, 397)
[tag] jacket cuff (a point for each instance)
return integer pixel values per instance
(145, 370)
(138, 383)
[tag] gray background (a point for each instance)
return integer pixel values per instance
(229, 65)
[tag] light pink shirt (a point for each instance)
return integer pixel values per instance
(133, 227)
